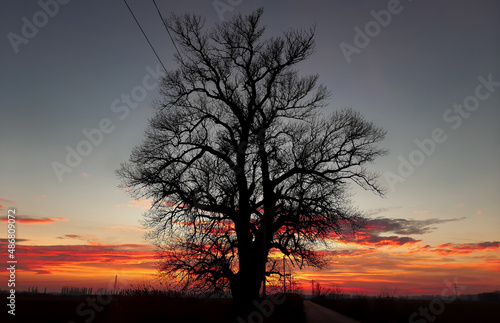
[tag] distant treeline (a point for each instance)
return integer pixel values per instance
(82, 291)
(492, 297)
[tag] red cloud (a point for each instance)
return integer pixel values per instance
(30, 220)
(43, 272)
(466, 248)
(398, 231)
(347, 253)
(3, 240)
(373, 239)
(61, 258)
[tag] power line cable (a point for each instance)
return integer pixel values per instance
(140, 27)
(166, 27)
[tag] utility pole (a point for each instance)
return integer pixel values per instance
(455, 285)
(264, 255)
(284, 275)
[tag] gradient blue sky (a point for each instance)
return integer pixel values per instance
(427, 58)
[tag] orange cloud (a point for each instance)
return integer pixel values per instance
(30, 220)
(410, 273)
(96, 243)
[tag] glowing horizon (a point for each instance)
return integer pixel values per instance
(373, 260)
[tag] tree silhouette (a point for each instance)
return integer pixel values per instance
(240, 161)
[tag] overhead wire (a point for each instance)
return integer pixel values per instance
(167, 28)
(146, 36)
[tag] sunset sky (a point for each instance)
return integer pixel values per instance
(430, 77)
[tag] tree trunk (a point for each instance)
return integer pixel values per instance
(245, 291)
(245, 286)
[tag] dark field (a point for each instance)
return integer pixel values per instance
(136, 309)
(166, 309)
(398, 310)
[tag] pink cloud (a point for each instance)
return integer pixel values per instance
(141, 204)
(77, 236)
(31, 220)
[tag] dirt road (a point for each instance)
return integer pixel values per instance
(318, 314)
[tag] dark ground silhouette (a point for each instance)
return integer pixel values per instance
(42, 308)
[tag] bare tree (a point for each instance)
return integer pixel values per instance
(320, 292)
(240, 160)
